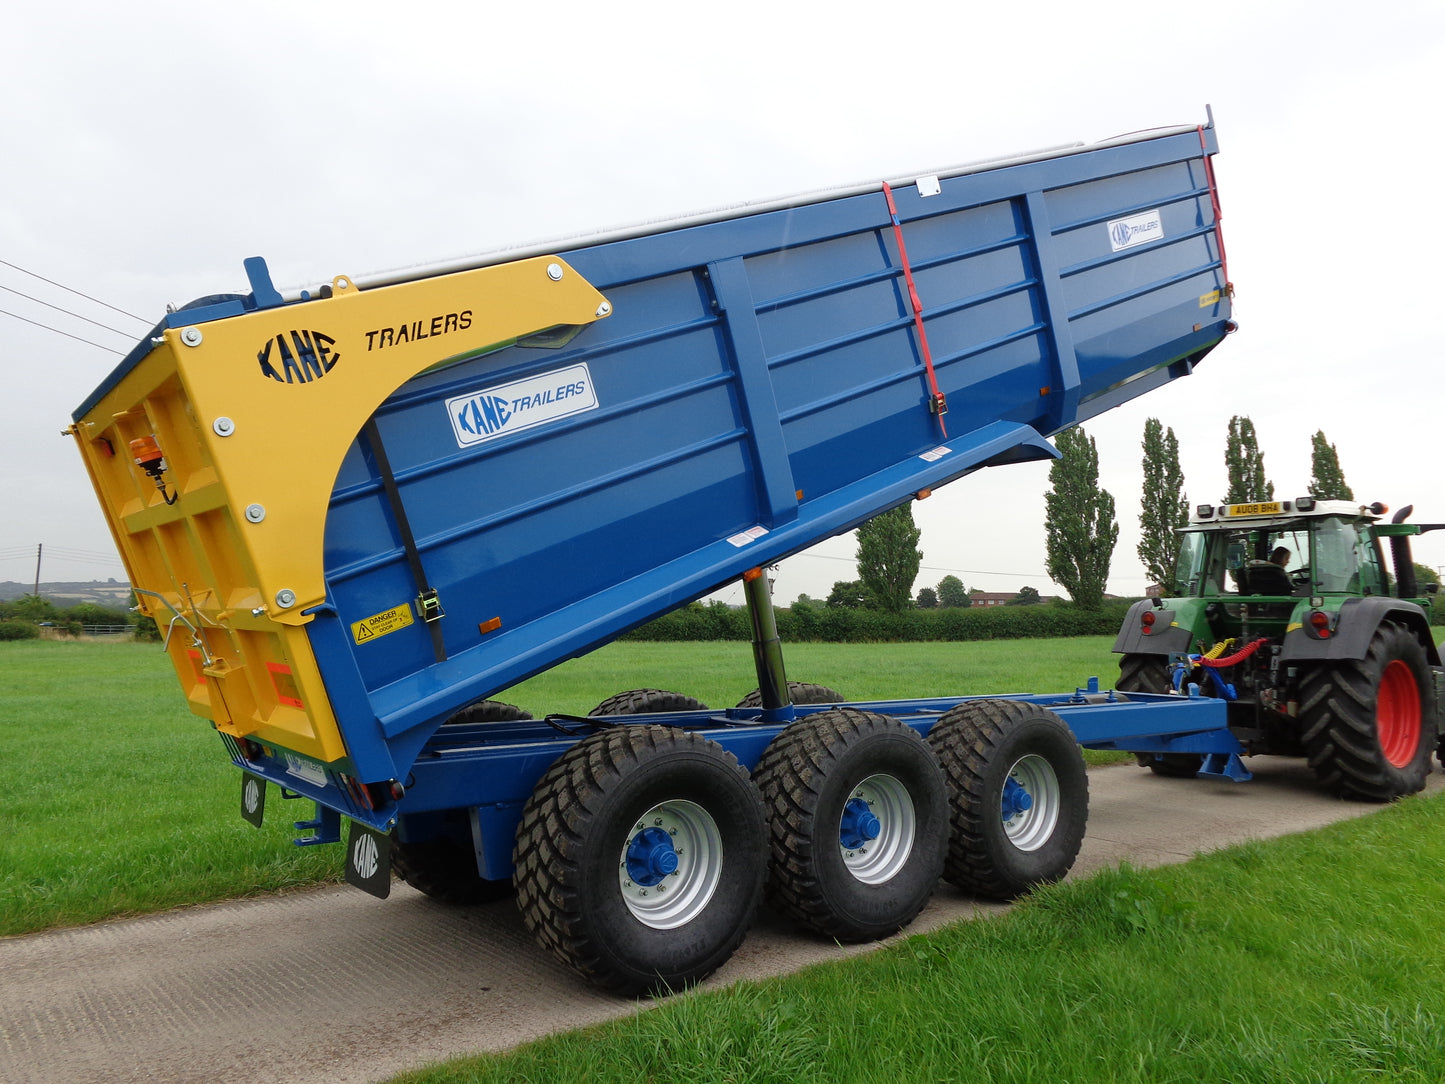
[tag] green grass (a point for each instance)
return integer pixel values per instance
(1313, 958)
(119, 801)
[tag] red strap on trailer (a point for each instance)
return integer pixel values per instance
(937, 404)
(1218, 214)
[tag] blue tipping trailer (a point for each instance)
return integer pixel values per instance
(365, 510)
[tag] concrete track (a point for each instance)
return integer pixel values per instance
(333, 985)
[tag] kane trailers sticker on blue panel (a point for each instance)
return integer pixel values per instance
(1136, 230)
(484, 415)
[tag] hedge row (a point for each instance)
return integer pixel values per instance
(833, 624)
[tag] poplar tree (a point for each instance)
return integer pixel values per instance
(888, 557)
(1079, 521)
(1245, 463)
(1165, 506)
(1327, 481)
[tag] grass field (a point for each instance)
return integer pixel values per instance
(119, 801)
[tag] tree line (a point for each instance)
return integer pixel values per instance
(23, 618)
(1080, 524)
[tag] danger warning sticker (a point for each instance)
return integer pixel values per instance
(378, 625)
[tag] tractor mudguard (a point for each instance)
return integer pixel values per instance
(1358, 620)
(1167, 635)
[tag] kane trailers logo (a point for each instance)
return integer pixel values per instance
(494, 412)
(1135, 230)
(298, 357)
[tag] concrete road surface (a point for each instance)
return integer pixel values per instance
(333, 985)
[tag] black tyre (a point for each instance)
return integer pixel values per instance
(799, 692)
(643, 701)
(640, 858)
(1367, 727)
(445, 866)
(858, 822)
(1018, 792)
(1150, 674)
(488, 711)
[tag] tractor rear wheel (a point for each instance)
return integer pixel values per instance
(1367, 730)
(1150, 674)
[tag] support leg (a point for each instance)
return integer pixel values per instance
(767, 647)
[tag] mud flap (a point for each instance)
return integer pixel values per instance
(368, 860)
(253, 798)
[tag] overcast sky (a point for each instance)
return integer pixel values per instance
(149, 148)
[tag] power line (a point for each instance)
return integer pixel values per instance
(68, 335)
(57, 308)
(77, 293)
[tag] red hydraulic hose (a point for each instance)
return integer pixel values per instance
(1238, 657)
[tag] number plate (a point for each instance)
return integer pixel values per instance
(1269, 508)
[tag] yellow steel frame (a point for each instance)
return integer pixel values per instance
(253, 436)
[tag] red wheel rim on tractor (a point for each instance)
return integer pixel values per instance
(1397, 714)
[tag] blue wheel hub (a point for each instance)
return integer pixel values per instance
(859, 825)
(1016, 799)
(650, 857)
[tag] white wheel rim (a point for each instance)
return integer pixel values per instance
(878, 858)
(1030, 828)
(671, 864)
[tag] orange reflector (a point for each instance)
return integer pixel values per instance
(800, 494)
(923, 494)
(751, 574)
(490, 626)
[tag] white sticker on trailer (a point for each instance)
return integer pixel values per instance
(484, 415)
(1136, 230)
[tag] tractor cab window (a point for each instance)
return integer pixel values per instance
(1344, 559)
(1190, 570)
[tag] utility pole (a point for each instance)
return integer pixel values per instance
(39, 549)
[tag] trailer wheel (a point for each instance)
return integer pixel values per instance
(1366, 728)
(445, 866)
(799, 692)
(640, 858)
(858, 820)
(1019, 796)
(487, 711)
(1150, 674)
(643, 701)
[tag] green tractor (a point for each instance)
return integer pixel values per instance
(1285, 609)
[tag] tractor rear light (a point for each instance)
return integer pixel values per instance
(1379, 508)
(1204, 511)
(1304, 504)
(1319, 625)
(1146, 622)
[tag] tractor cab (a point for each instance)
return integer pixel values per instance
(1261, 562)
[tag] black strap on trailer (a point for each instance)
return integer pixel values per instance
(429, 607)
